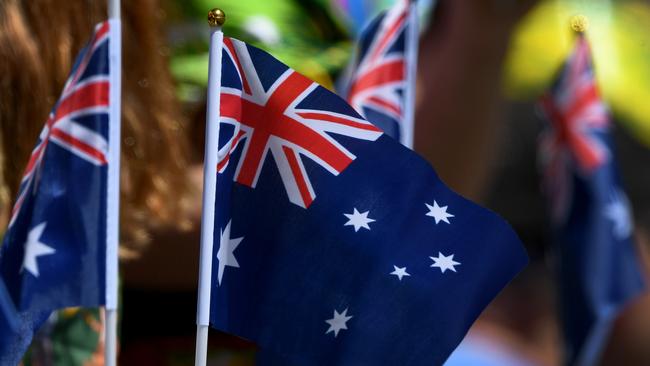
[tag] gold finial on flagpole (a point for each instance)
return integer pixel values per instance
(579, 23)
(216, 17)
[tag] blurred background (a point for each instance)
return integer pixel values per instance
(483, 65)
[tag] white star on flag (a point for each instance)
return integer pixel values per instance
(400, 272)
(444, 262)
(618, 212)
(438, 213)
(34, 248)
(225, 254)
(338, 322)
(358, 220)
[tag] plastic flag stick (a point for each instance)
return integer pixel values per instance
(113, 201)
(216, 18)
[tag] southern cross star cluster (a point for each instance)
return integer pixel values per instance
(358, 220)
(361, 220)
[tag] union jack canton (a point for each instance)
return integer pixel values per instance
(332, 240)
(54, 251)
(577, 116)
(297, 132)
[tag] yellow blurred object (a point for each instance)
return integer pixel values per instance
(579, 23)
(620, 38)
(69, 312)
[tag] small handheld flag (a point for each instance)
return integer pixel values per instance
(54, 253)
(334, 244)
(590, 213)
(382, 81)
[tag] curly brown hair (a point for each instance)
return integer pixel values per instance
(38, 44)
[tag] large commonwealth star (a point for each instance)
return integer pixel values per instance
(225, 254)
(34, 248)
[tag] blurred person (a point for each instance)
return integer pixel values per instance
(38, 43)
(459, 118)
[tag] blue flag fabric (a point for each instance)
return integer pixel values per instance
(8, 317)
(335, 244)
(54, 251)
(379, 77)
(591, 219)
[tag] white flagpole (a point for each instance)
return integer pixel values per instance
(412, 44)
(216, 18)
(113, 189)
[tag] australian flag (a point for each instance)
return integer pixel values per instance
(590, 213)
(54, 250)
(336, 244)
(382, 82)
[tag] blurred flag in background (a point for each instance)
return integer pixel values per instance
(590, 214)
(54, 251)
(357, 13)
(381, 84)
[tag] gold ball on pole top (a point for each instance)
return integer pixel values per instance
(579, 23)
(216, 17)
